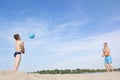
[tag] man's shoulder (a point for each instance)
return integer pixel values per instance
(108, 48)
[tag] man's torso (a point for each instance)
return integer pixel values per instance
(105, 51)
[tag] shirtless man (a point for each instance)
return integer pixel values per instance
(19, 44)
(108, 59)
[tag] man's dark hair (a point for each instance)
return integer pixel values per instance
(16, 36)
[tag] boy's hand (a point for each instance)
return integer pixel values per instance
(23, 52)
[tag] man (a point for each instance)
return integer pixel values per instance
(108, 59)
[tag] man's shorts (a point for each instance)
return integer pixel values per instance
(108, 60)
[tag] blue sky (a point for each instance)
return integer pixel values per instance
(69, 33)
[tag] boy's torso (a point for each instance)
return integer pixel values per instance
(18, 46)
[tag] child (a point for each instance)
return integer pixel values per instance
(19, 44)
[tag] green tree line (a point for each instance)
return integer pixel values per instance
(75, 71)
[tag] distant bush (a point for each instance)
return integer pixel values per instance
(69, 71)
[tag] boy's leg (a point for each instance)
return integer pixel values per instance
(17, 60)
(107, 68)
(110, 66)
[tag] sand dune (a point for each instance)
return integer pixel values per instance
(11, 75)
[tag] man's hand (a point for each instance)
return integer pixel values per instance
(103, 55)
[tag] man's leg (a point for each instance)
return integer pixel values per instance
(106, 66)
(111, 68)
(17, 60)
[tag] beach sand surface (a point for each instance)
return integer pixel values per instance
(11, 75)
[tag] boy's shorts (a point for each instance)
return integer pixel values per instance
(108, 60)
(16, 53)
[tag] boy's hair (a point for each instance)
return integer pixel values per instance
(16, 36)
(105, 43)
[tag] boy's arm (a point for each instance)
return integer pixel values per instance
(22, 47)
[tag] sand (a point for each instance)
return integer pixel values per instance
(11, 75)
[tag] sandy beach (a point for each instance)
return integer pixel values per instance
(10, 75)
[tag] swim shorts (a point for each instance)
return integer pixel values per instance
(16, 53)
(108, 60)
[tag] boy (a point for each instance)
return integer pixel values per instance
(19, 44)
(108, 59)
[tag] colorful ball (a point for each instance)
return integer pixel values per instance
(32, 36)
